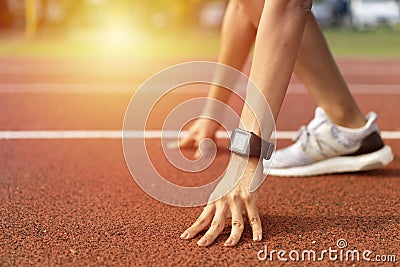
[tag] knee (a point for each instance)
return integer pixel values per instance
(307, 4)
(238, 4)
(293, 5)
(304, 5)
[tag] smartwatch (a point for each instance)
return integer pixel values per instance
(249, 144)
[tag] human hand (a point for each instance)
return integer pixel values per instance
(244, 173)
(201, 129)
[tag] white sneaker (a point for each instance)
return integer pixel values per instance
(323, 147)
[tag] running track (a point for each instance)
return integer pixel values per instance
(71, 201)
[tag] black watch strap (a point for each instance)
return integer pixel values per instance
(249, 144)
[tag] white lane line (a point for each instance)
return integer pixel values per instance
(115, 134)
(38, 67)
(62, 88)
(359, 89)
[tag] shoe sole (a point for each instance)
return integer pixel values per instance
(371, 161)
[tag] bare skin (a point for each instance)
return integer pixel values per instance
(314, 66)
(235, 48)
(231, 205)
(272, 76)
(306, 54)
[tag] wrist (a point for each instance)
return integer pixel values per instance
(248, 144)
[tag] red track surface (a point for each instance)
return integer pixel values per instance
(73, 202)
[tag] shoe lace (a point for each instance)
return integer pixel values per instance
(304, 136)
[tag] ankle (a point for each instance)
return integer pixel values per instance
(350, 118)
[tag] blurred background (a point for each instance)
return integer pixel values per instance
(178, 28)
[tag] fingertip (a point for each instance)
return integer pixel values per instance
(257, 237)
(185, 235)
(203, 242)
(229, 242)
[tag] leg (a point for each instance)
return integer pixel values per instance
(322, 147)
(317, 69)
(278, 37)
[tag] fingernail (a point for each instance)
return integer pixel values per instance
(256, 237)
(202, 242)
(229, 241)
(185, 234)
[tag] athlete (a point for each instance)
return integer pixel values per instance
(340, 138)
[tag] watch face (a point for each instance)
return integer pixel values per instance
(240, 142)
